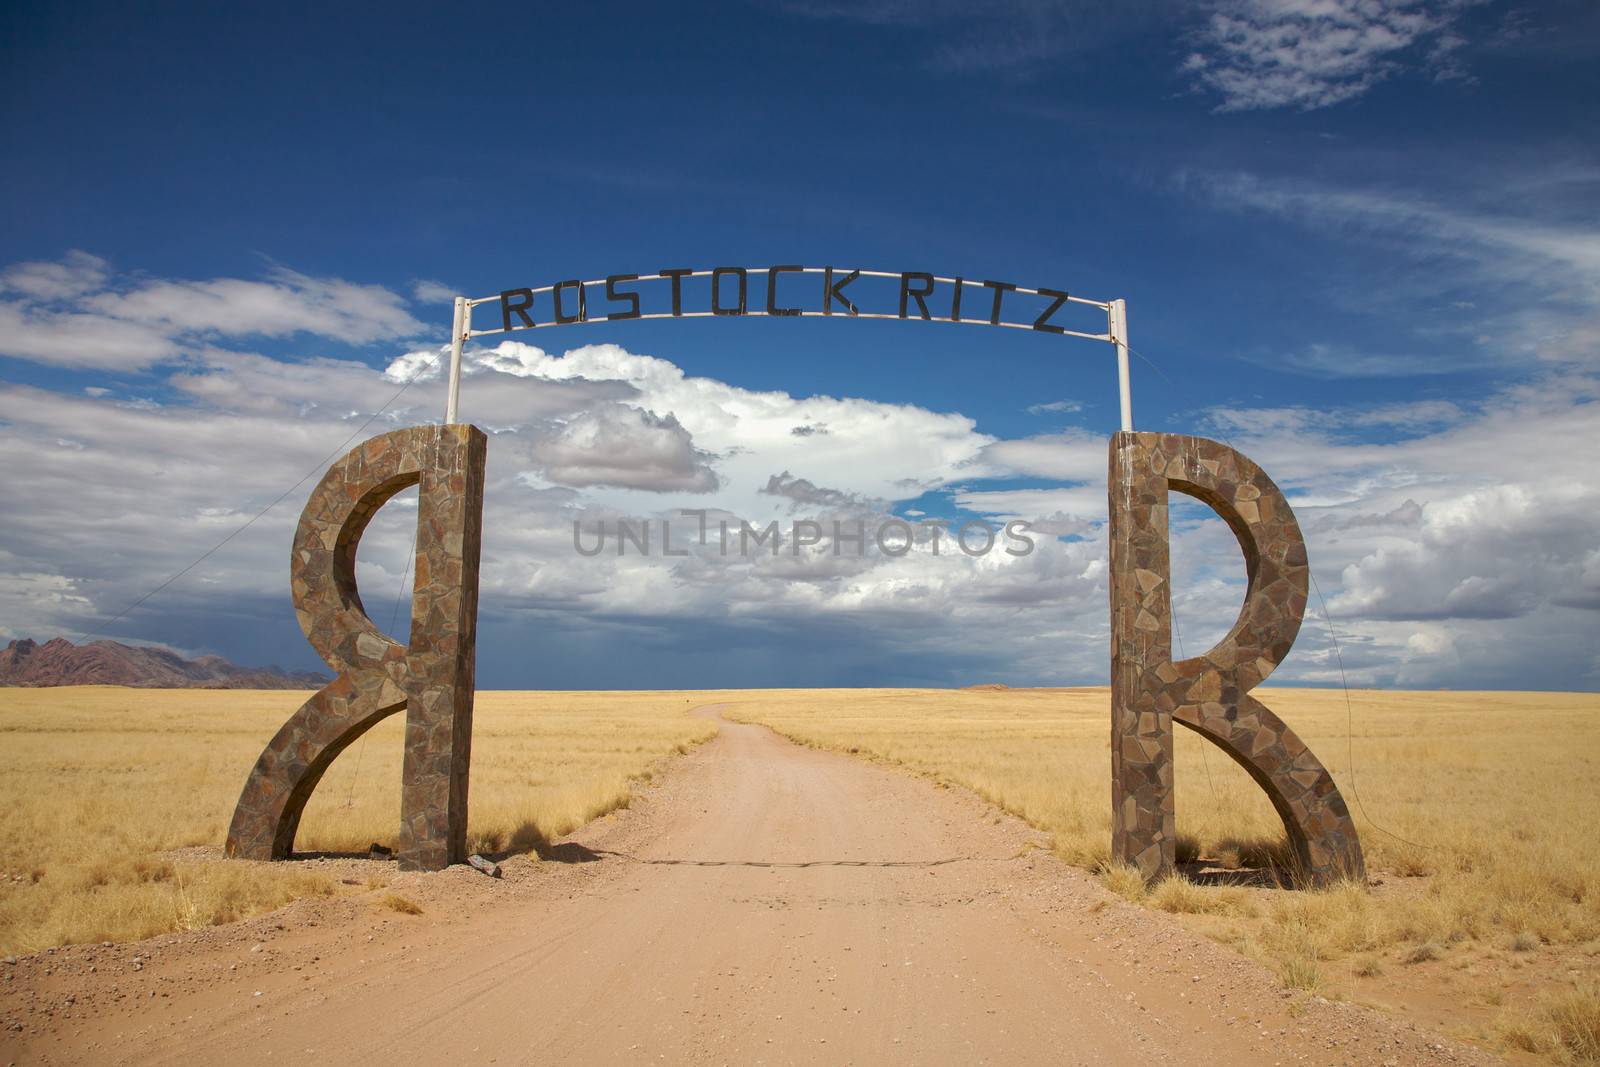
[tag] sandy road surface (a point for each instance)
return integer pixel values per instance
(762, 904)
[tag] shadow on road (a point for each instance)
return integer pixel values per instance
(571, 852)
(797, 864)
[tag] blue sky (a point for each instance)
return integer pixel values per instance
(1358, 239)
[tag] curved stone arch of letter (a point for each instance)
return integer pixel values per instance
(431, 678)
(1208, 693)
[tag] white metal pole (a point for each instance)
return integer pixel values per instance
(1119, 336)
(458, 336)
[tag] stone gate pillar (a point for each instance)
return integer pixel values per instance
(1209, 694)
(431, 678)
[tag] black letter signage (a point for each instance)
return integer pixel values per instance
(832, 292)
(583, 312)
(926, 289)
(677, 276)
(716, 290)
(727, 295)
(629, 295)
(772, 291)
(507, 308)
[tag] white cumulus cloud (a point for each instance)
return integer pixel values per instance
(78, 313)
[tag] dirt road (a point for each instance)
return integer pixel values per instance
(761, 904)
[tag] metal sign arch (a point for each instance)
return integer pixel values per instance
(432, 679)
(921, 296)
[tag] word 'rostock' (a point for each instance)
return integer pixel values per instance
(729, 294)
(892, 537)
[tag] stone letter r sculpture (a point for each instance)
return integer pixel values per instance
(431, 678)
(1210, 694)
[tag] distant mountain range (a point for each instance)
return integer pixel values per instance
(60, 662)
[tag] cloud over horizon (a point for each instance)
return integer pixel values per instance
(1448, 546)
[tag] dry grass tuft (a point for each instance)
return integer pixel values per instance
(396, 902)
(1178, 895)
(1566, 1026)
(1124, 880)
(1423, 953)
(1187, 848)
(1174, 893)
(1574, 1019)
(101, 786)
(1300, 972)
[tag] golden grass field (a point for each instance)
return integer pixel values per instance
(100, 784)
(1487, 923)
